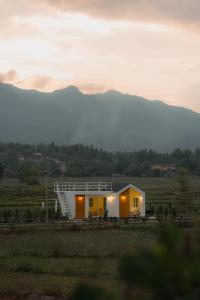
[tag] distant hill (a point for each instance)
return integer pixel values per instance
(112, 120)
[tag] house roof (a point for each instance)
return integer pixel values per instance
(118, 186)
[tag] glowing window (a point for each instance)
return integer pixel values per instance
(135, 202)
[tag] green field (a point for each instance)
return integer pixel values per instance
(159, 191)
(47, 261)
(52, 262)
(50, 259)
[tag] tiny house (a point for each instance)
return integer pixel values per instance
(95, 199)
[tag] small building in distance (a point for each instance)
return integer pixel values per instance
(165, 170)
(97, 199)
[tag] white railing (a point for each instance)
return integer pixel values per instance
(82, 186)
(66, 208)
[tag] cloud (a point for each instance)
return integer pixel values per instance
(92, 88)
(9, 76)
(41, 83)
(185, 13)
(103, 44)
(182, 13)
(155, 11)
(38, 82)
(11, 11)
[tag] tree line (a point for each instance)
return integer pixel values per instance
(28, 161)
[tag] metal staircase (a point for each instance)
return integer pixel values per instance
(65, 205)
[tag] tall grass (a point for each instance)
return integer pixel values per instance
(74, 244)
(34, 261)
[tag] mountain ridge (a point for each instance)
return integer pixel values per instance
(108, 92)
(110, 120)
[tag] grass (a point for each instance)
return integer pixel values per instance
(25, 286)
(96, 244)
(159, 191)
(18, 285)
(53, 262)
(50, 260)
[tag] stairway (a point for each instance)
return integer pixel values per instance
(64, 204)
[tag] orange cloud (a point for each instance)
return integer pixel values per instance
(41, 83)
(178, 12)
(103, 44)
(9, 76)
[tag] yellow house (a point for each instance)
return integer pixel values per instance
(95, 199)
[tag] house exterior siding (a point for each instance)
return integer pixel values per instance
(88, 203)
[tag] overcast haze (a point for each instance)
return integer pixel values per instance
(143, 47)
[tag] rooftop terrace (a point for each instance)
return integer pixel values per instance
(82, 186)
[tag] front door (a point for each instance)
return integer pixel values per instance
(80, 206)
(124, 204)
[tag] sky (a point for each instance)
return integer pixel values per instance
(149, 48)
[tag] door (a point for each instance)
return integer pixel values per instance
(124, 204)
(97, 206)
(102, 206)
(80, 206)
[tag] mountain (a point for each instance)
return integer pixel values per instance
(112, 120)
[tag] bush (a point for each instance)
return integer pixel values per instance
(29, 176)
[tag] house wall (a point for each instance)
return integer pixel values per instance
(113, 205)
(71, 200)
(70, 197)
(135, 194)
(126, 198)
(142, 213)
(87, 206)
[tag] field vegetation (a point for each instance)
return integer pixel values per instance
(39, 259)
(52, 262)
(19, 200)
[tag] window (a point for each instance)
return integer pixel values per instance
(135, 202)
(90, 202)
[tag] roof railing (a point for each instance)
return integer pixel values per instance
(82, 186)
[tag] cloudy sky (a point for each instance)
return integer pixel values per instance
(149, 48)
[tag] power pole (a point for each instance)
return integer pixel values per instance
(45, 172)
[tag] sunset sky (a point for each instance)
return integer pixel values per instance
(149, 48)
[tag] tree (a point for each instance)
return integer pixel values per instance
(183, 191)
(29, 176)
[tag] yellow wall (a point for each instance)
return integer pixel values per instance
(125, 200)
(134, 194)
